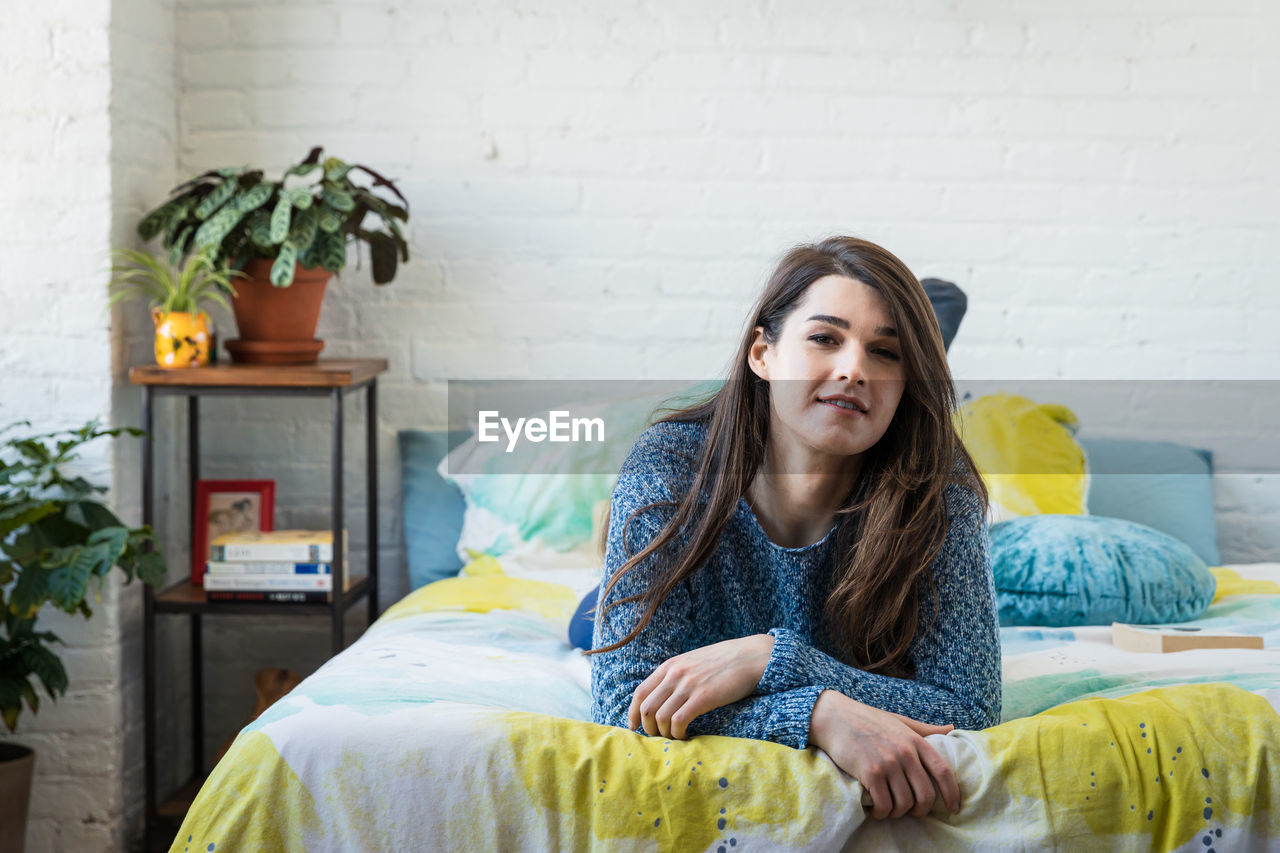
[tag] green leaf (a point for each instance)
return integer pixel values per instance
(382, 250)
(30, 592)
(215, 229)
(330, 222)
(151, 568)
(220, 194)
(176, 217)
(300, 197)
(254, 197)
(10, 711)
(67, 583)
(151, 224)
(280, 220)
(304, 229)
(114, 539)
(302, 169)
(337, 171)
(93, 515)
(337, 199)
(23, 513)
(179, 247)
(32, 449)
(47, 667)
(310, 256)
(29, 693)
(260, 228)
(384, 209)
(282, 269)
(400, 241)
(333, 251)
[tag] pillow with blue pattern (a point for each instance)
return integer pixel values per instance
(1062, 570)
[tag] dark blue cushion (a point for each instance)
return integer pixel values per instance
(583, 622)
(1061, 570)
(433, 507)
(949, 304)
(1157, 483)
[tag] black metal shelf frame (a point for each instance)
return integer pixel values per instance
(194, 609)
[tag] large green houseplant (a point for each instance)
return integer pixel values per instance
(55, 539)
(289, 236)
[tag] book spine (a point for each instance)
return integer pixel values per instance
(258, 568)
(270, 596)
(281, 582)
(272, 552)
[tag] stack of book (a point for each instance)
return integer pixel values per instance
(291, 566)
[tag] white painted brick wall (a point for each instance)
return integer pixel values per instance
(89, 89)
(55, 216)
(598, 191)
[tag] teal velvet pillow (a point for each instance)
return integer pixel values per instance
(1061, 570)
(1157, 483)
(433, 507)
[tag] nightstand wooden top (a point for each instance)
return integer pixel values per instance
(326, 373)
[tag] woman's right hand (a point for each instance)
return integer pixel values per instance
(886, 752)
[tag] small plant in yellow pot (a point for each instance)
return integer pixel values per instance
(183, 334)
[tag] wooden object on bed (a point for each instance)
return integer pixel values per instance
(1159, 639)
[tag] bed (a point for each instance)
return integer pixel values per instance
(461, 721)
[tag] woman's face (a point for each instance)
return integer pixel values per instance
(839, 342)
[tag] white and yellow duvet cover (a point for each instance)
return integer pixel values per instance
(459, 721)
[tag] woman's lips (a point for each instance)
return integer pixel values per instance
(851, 413)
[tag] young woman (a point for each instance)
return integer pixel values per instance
(802, 558)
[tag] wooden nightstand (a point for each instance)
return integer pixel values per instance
(332, 378)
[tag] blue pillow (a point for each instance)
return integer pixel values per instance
(1162, 485)
(1061, 570)
(433, 507)
(584, 622)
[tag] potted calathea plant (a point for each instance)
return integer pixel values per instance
(55, 539)
(289, 236)
(184, 335)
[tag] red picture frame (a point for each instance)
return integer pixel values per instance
(239, 504)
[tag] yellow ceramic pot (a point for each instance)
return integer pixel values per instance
(182, 338)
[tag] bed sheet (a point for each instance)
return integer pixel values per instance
(460, 721)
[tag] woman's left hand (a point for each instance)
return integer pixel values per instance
(686, 686)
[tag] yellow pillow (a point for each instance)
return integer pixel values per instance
(483, 586)
(1027, 454)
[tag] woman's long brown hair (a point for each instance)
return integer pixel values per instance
(894, 521)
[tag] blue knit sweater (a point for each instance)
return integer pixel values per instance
(751, 585)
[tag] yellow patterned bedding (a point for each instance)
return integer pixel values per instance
(459, 721)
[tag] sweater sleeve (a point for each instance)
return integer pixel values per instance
(781, 717)
(957, 660)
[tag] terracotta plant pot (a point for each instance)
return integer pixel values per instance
(16, 766)
(277, 325)
(182, 338)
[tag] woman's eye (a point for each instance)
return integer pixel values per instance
(822, 338)
(888, 352)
